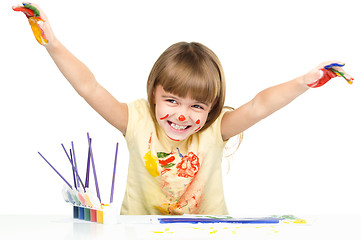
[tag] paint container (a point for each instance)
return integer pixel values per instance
(75, 212)
(99, 216)
(87, 214)
(110, 214)
(81, 213)
(93, 215)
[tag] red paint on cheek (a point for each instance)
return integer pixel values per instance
(162, 118)
(198, 121)
(197, 129)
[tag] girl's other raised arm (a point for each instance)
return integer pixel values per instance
(274, 98)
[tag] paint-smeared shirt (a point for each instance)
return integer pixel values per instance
(172, 177)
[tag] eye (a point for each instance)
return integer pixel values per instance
(171, 101)
(198, 107)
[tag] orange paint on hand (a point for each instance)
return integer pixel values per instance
(37, 31)
(34, 20)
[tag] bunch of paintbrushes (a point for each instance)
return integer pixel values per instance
(86, 203)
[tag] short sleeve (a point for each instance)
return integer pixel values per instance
(218, 125)
(138, 116)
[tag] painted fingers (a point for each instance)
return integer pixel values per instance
(329, 70)
(36, 20)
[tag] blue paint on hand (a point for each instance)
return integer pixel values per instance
(333, 65)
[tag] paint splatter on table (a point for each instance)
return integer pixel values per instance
(221, 230)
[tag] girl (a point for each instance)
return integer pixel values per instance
(176, 137)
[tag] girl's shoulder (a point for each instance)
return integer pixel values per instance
(139, 116)
(214, 130)
(139, 109)
(139, 105)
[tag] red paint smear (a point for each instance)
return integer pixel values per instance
(189, 166)
(198, 121)
(167, 161)
(165, 170)
(327, 76)
(164, 117)
(197, 129)
(28, 12)
(173, 139)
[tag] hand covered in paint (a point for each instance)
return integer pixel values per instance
(325, 72)
(38, 21)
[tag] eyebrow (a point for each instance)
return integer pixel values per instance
(169, 95)
(207, 104)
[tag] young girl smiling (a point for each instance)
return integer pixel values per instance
(177, 136)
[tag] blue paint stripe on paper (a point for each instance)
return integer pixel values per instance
(220, 220)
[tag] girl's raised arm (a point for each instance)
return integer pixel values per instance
(84, 82)
(274, 98)
(81, 78)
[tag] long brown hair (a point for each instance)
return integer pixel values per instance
(189, 69)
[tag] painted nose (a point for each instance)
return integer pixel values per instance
(181, 118)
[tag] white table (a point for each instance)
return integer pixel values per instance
(139, 227)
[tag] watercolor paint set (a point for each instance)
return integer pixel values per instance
(86, 203)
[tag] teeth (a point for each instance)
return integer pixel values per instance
(175, 126)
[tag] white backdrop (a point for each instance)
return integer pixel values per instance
(303, 159)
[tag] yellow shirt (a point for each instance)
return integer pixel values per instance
(172, 177)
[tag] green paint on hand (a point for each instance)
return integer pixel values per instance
(34, 9)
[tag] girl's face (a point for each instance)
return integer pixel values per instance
(179, 117)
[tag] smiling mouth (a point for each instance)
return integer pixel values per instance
(178, 127)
